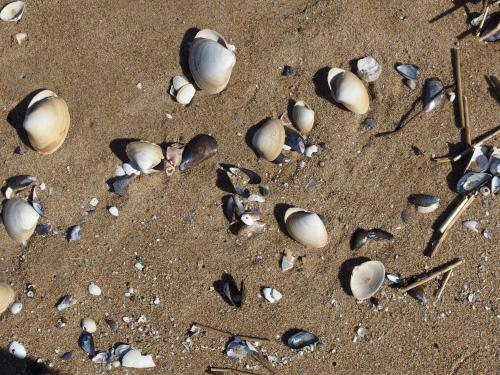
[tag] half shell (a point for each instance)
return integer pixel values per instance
(198, 149)
(366, 279)
(20, 219)
(6, 296)
(472, 181)
(495, 162)
(349, 90)
(479, 161)
(269, 139)
(301, 339)
(211, 61)
(306, 227)
(303, 117)
(433, 94)
(409, 71)
(46, 122)
(12, 12)
(145, 155)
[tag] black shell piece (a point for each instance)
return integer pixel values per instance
(301, 339)
(423, 200)
(86, 342)
(198, 149)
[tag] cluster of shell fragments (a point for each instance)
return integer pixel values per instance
(482, 172)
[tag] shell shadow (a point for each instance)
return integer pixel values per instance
(16, 117)
(289, 109)
(224, 183)
(493, 87)
(117, 146)
(457, 168)
(279, 214)
(218, 285)
(11, 365)
(187, 39)
(345, 272)
(321, 86)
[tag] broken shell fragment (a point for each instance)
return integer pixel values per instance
(349, 90)
(134, 359)
(65, 302)
(302, 117)
(366, 279)
(20, 219)
(471, 225)
(393, 277)
(306, 227)
(250, 217)
(361, 236)
(271, 295)
(301, 339)
(409, 71)
(20, 182)
(173, 157)
(47, 122)
(73, 233)
(120, 184)
(235, 297)
(294, 141)
(211, 61)
(144, 155)
(419, 294)
(237, 349)
(369, 69)
(424, 203)
(6, 296)
(287, 261)
(13, 11)
(433, 94)
(479, 160)
(471, 182)
(198, 149)
(251, 230)
(269, 139)
(495, 184)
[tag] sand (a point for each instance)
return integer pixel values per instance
(93, 54)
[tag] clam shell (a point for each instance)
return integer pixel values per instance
(211, 61)
(145, 155)
(269, 139)
(12, 12)
(46, 122)
(134, 359)
(302, 117)
(495, 162)
(366, 279)
(6, 296)
(479, 160)
(349, 90)
(301, 339)
(369, 69)
(185, 94)
(271, 295)
(472, 181)
(88, 325)
(20, 219)
(17, 350)
(409, 71)
(495, 184)
(433, 94)
(306, 227)
(198, 149)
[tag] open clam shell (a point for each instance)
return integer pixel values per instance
(302, 117)
(479, 160)
(211, 61)
(182, 90)
(269, 139)
(46, 122)
(13, 11)
(144, 155)
(198, 149)
(472, 181)
(433, 94)
(349, 90)
(366, 279)
(6, 296)
(409, 71)
(20, 219)
(306, 227)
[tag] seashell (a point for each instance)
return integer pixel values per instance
(86, 342)
(484, 191)
(120, 349)
(393, 277)
(173, 157)
(348, 89)
(6, 296)
(306, 227)
(271, 295)
(65, 302)
(409, 71)
(301, 339)
(310, 151)
(495, 162)
(130, 170)
(294, 140)
(411, 84)
(17, 350)
(102, 357)
(282, 159)
(361, 236)
(134, 359)
(236, 297)
(302, 117)
(491, 23)
(15, 308)
(424, 203)
(120, 185)
(495, 184)
(73, 233)
(240, 178)
(20, 219)
(433, 94)
(472, 181)
(113, 211)
(177, 83)
(211, 61)
(419, 294)
(269, 139)
(250, 217)
(182, 90)
(237, 349)
(145, 155)
(94, 289)
(369, 69)
(35, 202)
(198, 149)
(479, 160)
(250, 230)
(20, 182)
(47, 122)
(471, 225)
(287, 261)
(89, 325)
(12, 12)
(366, 279)
(486, 234)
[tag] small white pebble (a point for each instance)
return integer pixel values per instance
(168, 116)
(93, 202)
(139, 266)
(21, 37)
(156, 301)
(94, 289)
(43, 186)
(310, 150)
(17, 350)
(15, 307)
(113, 211)
(139, 85)
(89, 325)
(451, 96)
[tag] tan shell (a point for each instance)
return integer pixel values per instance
(269, 139)
(144, 155)
(6, 296)
(46, 122)
(349, 90)
(20, 219)
(366, 279)
(303, 117)
(306, 227)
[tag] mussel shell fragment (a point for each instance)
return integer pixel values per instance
(294, 140)
(235, 297)
(237, 349)
(479, 160)
(495, 184)
(86, 342)
(472, 181)
(20, 182)
(361, 236)
(73, 233)
(409, 71)
(301, 339)
(419, 294)
(198, 149)
(366, 279)
(424, 200)
(240, 178)
(433, 94)
(120, 184)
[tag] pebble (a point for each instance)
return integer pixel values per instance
(288, 71)
(310, 150)
(362, 331)
(271, 295)
(89, 325)
(94, 289)
(113, 211)
(321, 163)
(487, 234)
(17, 350)
(93, 202)
(15, 307)
(19, 151)
(21, 38)
(139, 85)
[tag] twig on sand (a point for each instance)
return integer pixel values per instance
(230, 334)
(482, 21)
(216, 370)
(445, 281)
(458, 78)
(432, 275)
(468, 139)
(260, 359)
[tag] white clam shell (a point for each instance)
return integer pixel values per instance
(185, 94)
(211, 61)
(89, 325)
(178, 82)
(495, 162)
(15, 308)
(46, 122)
(349, 90)
(94, 289)
(271, 295)
(369, 69)
(366, 279)
(17, 350)
(20, 219)
(303, 117)
(12, 12)
(306, 227)
(479, 162)
(134, 359)
(145, 155)
(6, 296)
(269, 139)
